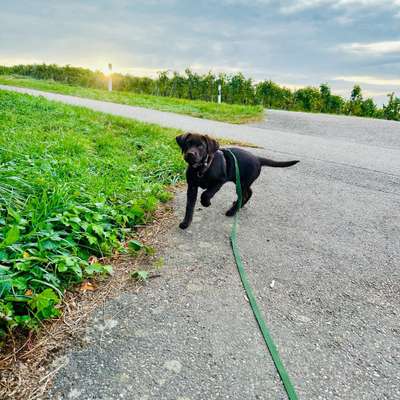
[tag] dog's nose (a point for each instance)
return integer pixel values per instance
(190, 156)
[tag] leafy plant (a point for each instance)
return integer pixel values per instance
(141, 276)
(135, 245)
(159, 263)
(76, 184)
(43, 304)
(392, 109)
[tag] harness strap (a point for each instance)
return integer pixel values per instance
(207, 163)
(289, 388)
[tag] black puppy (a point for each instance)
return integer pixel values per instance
(210, 168)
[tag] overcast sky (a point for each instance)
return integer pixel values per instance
(294, 43)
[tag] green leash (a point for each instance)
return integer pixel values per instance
(256, 311)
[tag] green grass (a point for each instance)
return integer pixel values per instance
(73, 184)
(233, 113)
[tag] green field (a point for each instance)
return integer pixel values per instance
(73, 184)
(233, 113)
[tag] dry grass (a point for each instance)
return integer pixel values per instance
(235, 142)
(26, 364)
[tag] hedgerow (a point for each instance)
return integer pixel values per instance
(236, 89)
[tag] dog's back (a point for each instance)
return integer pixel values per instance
(250, 164)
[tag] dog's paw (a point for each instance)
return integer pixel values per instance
(231, 212)
(183, 225)
(205, 201)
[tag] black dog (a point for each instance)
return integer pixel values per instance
(210, 168)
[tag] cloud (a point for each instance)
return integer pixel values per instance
(369, 80)
(374, 48)
(245, 2)
(295, 6)
(344, 20)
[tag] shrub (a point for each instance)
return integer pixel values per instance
(392, 109)
(308, 99)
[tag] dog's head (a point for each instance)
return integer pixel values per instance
(196, 148)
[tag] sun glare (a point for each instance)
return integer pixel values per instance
(106, 70)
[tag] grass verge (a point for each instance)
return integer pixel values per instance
(73, 184)
(233, 113)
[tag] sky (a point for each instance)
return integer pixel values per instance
(293, 42)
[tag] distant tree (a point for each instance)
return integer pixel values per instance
(178, 86)
(356, 94)
(337, 104)
(162, 83)
(237, 89)
(271, 95)
(326, 97)
(308, 99)
(353, 107)
(368, 108)
(210, 87)
(392, 109)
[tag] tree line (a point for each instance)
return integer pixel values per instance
(236, 88)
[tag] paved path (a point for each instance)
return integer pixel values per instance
(375, 132)
(326, 231)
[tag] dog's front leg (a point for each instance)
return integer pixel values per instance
(190, 203)
(208, 194)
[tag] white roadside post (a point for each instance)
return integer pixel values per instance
(110, 77)
(219, 93)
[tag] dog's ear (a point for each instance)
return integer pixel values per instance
(212, 145)
(181, 140)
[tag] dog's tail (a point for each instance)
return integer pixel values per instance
(279, 164)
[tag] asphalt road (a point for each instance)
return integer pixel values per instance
(326, 231)
(375, 132)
